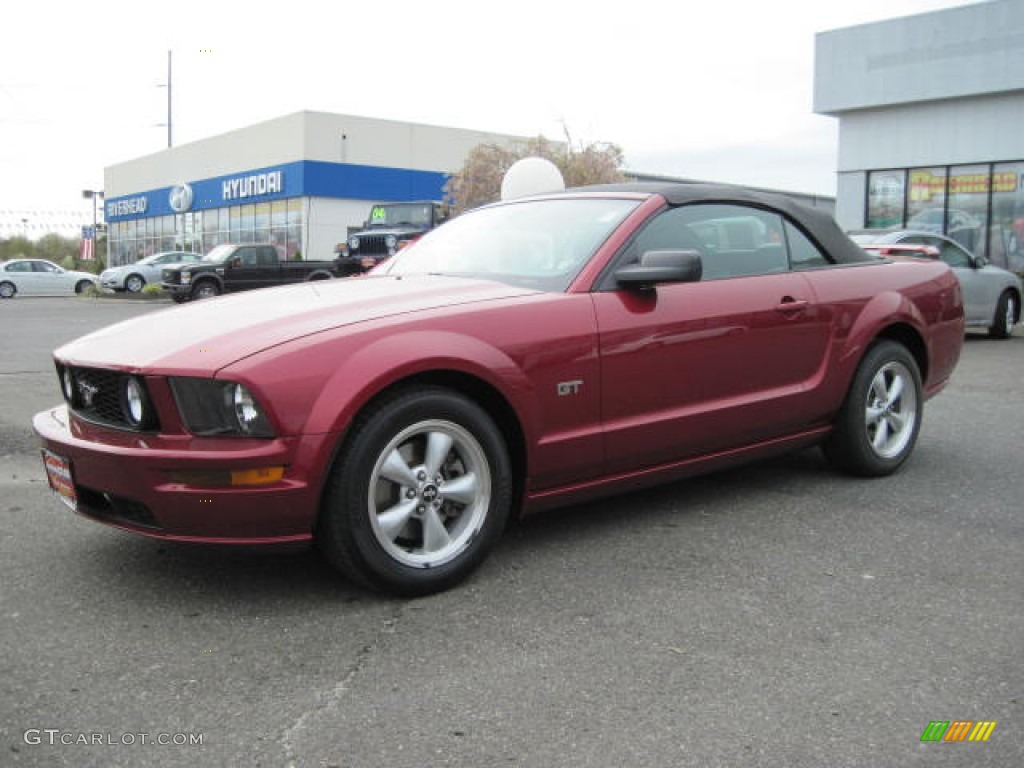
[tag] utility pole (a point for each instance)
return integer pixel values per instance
(168, 99)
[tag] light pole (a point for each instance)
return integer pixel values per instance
(93, 194)
(167, 85)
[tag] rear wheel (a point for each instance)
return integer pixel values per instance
(878, 424)
(7, 290)
(1005, 317)
(420, 494)
(134, 283)
(205, 289)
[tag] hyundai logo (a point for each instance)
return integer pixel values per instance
(181, 198)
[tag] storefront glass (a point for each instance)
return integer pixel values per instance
(886, 195)
(980, 206)
(1006, 241)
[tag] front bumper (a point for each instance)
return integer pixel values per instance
(132, 481)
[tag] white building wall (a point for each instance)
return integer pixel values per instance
(851, 191)
(302, 136)
(390, 144)
(980, 129)
(327, 222)
(965, 51)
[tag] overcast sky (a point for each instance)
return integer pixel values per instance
(717, 89)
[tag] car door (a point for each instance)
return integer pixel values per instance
(694, 368)
(23, 276)
(244, 270)
(980, 295)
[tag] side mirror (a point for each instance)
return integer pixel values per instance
(661, 267)
(980, 262)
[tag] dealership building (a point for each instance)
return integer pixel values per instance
(298, 181)
(931, 124)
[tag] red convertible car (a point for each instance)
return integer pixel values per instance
(527, 354)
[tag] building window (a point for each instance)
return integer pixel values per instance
(1006, 238)
(967, 211)
(886, 198)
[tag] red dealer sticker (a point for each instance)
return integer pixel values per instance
(58, 472)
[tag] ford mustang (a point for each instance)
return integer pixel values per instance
(528, 354)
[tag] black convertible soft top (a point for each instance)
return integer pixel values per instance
(819, 225)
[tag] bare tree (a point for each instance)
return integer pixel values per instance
(479, 180)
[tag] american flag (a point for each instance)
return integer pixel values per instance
(87, 252)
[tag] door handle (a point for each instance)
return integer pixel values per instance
(789, 304)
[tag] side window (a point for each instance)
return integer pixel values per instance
(736, 240)
(803, 254)
(247, 256)
(42, 266)
(953, 255)
(268, 256)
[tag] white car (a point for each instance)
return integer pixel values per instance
(38, 277)
(133, 277)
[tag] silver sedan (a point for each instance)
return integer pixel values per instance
(133, 277)
(992, 296)
(41, 278)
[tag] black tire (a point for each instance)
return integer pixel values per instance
(7, 290)
(878, 425)
(205, 289)
(81, 286)
(1005, 317)
(134, 283)
(180, 298)
(419, 495)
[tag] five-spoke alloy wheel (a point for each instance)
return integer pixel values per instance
(879, 422)
(419, 494)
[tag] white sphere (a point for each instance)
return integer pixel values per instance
(531, 176)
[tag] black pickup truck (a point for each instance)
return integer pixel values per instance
(229, 268)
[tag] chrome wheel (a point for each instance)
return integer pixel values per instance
(890, 416)
(876, 429)
(134, 283)
(207, 289)
(419, 493)
(429, 493)
(6, 290)
(1005, 316)
(1010, 315)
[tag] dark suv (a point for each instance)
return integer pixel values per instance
(391, 227)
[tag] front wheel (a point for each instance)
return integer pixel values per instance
(1005, 317)
(419, 495)
(134, 283)
(877, 427)
(82, 286)
(206, 289)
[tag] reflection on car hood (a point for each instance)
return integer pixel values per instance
(205, 336)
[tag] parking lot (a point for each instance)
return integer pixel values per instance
(773, 615)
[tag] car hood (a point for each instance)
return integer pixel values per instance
(203, 337)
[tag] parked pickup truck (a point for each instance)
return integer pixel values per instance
(228, 268)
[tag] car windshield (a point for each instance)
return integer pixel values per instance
(402, 214)
(219, 254)
(536, 243)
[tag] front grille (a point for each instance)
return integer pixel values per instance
(97, 395)
(172, 276)
(372, 245)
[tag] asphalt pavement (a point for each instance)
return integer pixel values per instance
(773, 615)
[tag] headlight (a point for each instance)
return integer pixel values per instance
(186, 278)
(135, 404)
(67, 384)
(211, 407)
(390, 241)
(353, 243)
